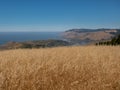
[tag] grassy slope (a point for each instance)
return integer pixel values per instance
(62, 68)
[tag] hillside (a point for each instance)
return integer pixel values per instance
(34, 44)
(86, 36)
(61, 68)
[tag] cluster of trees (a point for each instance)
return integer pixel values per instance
(114, 41)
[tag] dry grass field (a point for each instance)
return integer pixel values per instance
(61, 68)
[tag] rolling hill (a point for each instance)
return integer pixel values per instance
(88, 36)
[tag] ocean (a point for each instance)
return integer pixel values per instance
(27, 36)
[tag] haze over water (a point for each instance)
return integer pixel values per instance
(27, 36)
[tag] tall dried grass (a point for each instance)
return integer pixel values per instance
(62, 68)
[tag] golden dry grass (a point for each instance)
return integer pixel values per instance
(62, 68)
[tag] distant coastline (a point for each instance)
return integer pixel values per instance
(72, 36)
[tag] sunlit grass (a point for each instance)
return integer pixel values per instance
(62, 68)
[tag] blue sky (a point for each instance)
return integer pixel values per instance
(58, 15)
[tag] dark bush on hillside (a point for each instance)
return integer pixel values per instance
(26, 45)
(114, 41)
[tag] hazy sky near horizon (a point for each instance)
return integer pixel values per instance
(58, 15)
